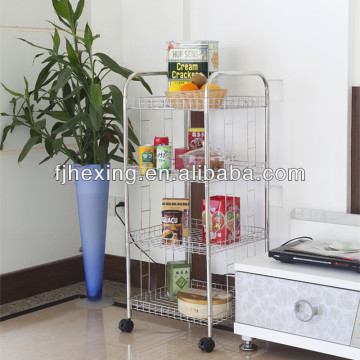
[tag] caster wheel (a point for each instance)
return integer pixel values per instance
(126, 325)
(206, 344)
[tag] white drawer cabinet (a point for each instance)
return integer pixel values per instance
(298, 305)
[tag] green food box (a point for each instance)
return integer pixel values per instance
(177, 277)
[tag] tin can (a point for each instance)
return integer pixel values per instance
(163, 157)
(146, 157)
(196, 138)
(186, 58)
(158, 140)
(171, 227)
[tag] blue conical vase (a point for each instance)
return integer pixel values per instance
(92, 199)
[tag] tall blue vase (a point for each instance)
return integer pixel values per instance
(92, 199)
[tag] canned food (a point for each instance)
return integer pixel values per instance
(163, 157)
(187, 58)
(146, 156)
(158, 140)
(171, 227)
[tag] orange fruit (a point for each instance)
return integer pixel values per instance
(189, 87)
(212, 86)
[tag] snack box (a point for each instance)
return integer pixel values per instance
(224, 219)
(179, 163)
(193, 303)
(182, 205)
(196, 138)
(177, 278)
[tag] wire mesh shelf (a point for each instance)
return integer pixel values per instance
(156, 302)
(163, 103)
(152, 236)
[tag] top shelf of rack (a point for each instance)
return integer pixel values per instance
(196, 104)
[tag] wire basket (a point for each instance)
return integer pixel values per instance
(195, 99)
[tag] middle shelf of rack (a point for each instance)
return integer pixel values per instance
(152, 236)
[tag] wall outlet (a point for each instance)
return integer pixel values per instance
(120, 209)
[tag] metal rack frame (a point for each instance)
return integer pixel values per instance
(151, 235)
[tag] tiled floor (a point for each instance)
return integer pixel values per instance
(66, 331)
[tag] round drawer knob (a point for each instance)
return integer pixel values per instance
(304, 311)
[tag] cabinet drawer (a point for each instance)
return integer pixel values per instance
(316, 311)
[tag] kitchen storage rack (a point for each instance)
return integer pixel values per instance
(147, 236)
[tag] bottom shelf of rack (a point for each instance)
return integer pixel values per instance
(156, 302)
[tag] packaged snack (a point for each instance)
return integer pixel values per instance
(171, 227)
(224, 219)
(182, 205)
(196, 138)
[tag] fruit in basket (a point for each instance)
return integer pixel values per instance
(174, 87)
(189, 87)
(198, 79)
(212, 86)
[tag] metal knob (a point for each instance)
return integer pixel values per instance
(304, 311)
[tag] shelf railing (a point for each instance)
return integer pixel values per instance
(152, 236)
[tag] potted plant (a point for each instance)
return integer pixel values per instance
(70, 100)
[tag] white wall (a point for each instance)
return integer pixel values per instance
(304, 45)
(38, 217)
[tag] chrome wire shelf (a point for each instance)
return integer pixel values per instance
(152, 236)
(156, 302)
(164, 103)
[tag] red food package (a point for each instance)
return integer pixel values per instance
(224, 220)
(196, 138)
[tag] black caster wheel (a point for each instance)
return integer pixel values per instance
(206, 344)
(126, 325)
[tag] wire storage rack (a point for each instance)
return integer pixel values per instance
(146, 232)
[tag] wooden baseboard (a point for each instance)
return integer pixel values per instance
(21, 284)
(38, 279)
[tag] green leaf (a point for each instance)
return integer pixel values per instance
(12, 92)
(79, 10)
(63, 78)
(101, 155)
(69, 101)
(96, 106)
(30, 143)
(117, 100)
(4, 134)
(117, 158)
(69, 124)
(49, 147)
(35, 134)
(57, 145)
(43, 75)
(56, 41)
(114, 66)
(46, 159)
(62, 8)
(34, 45)
(55, 126)
(71, 94)
(88, 38)
(71, 53)
(39, 125)
(59, 115)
